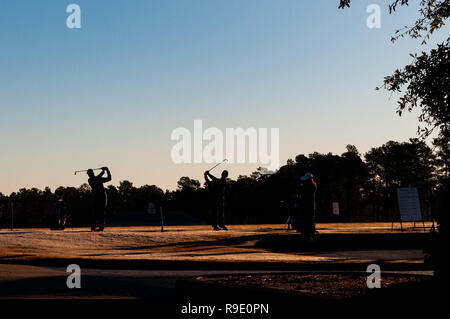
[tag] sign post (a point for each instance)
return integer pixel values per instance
(162, 218)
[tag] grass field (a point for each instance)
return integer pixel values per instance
(242, 243)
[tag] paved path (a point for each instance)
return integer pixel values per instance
(24, 281)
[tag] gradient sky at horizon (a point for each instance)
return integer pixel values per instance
(111, 92)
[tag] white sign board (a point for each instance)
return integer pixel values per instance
(335, 208)
(409, 204)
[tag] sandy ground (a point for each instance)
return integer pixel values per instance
(188, 243)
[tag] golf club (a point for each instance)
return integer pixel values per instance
(218, 164)
(85, 170)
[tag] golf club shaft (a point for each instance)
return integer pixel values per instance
(85, 170)
(217, 165)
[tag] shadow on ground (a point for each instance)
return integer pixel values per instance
(294, 242)
(91, 287)
(297, 243)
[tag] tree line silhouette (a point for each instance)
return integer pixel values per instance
(364, 186)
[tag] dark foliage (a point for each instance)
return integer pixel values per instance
(364, 187)
(425, 84)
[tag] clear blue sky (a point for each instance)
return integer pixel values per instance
(111, 92)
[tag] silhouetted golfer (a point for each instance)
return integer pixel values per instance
(293, 209)
(217, 187)
(307, 206)
(60, 218)
(100, 199)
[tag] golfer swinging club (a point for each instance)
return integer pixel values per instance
(218, 186)
(100, 199)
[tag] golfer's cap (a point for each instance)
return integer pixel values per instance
(89, 171)
(306, 177)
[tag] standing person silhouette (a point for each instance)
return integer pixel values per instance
(100, 199)
(308, 190)
(217, 187)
